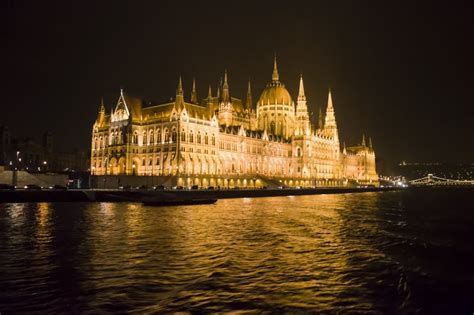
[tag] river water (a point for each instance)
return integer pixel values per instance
(391, 252)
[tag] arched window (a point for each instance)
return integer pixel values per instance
(158, 135)
(167, 135)
(206, 139)
(144, 138)
(94, 143)
(191, 136)
(152, 138)
(183, 135)
(135, 138)
(174, 136)
(213, 139)
(198, 140)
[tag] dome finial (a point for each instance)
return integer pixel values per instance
(275, 76)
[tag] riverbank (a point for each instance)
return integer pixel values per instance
(109, 195)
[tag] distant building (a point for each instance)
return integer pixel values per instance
(30, 155)
(4, 144)
(416, 170)
(223, 141)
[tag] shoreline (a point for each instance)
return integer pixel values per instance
(115, 195)
(136, 195)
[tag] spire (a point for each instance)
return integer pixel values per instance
(179, 91)
(225, 89)
(370, 142)
(302, 116)
(363, 140)
(210, 105)
(344, 148)
(194, 98)
(102, 106)
(225, 79)
(248, 104)
(101, 115)
(301, 96)
(209, 93)
(275, 76)
(330, 101)
(330, 121)
(179, 101)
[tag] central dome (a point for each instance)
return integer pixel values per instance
(275, 108)
(275, 93)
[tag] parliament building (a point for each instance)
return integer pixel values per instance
(222, 141)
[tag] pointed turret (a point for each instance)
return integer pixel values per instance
(344, 151)
(179, 102)
(275, 76)
(225, 89)
(301, 95)
(179, 90)
(102, 106)
(302, 116)
(210, 103)
(363, 140)
(248, 104)
(330, 126)
(370, 143)
(194, 98)
(330, 121)
(209, 94)
(101, 115)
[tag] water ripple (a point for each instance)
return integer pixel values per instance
(352, 253)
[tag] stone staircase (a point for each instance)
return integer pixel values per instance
(270, 182)
(25, 178)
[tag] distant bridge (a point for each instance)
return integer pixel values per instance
(432, 180)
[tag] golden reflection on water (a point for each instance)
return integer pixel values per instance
(42, 214)
(16, 214)
(43, 235)
(300, 246)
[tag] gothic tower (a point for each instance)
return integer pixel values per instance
(302, 117)
(194, 97)
(225, 105)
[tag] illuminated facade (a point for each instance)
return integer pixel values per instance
(220, 141)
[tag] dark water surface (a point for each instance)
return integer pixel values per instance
(391, 252)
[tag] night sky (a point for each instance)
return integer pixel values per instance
(401, 73)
